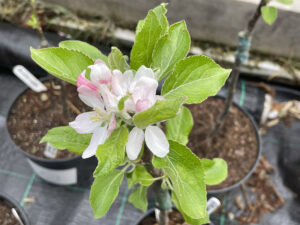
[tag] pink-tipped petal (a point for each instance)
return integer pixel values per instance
(156, 141)
(99, 61)
(112, 125)
(84, 123)
(142, 105)
(90, 97)
(135, 142)
(81, 80)
(118, 87)
(98, 138)
(100, 74)
(110, 100)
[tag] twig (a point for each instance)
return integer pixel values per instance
(73, 107)
(249, 205)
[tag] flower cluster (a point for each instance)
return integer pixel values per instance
(104, 91)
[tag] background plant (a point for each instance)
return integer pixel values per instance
(163, 49)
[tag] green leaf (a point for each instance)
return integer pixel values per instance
(186, 173)
(139, 198)
(85, 48)
(171, 48)
(149, 31)
(63, 63)
(67, 138)
(139, 175)
(161, 110)
(104, 191)
(188, 219)
(117, 60)
(215, 170)
(160, 11)
(269, 14)
(286, 2)
(111, 154)
(122, 102)
(179, 127)
(196, 77)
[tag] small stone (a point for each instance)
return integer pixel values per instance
(44, 97)
(230, 216)
(35, 121)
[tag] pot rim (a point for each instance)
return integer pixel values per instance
(16, 205)
(32, 157)
(259, 150)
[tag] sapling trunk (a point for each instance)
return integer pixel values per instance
(242, 51)
(162, 196)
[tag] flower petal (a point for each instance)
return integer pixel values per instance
(112, 125)
(144, 72)
(83, 123)
(156, 141)
(90, 97)
(98, 138)
(110, 100)
(142, 105)
(118, 87)
(100, 74)
(135, 142)
(81, 80)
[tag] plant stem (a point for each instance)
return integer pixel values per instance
(235, 73)
(162, 196)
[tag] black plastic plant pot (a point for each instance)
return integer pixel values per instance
(151, 213)
(14, 204)
(259, 149)
(64, 171)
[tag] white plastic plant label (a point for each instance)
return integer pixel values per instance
(50, 152)
(28, 78)
(212, 205)
(60, 177)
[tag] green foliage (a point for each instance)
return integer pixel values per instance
(104, 191)
(111, 154)
(63, 63)
(196, 77)
(34, 22)
(149, 31)
(139, 198)
(121, 102)
(117, 60)
(215, 170)
(179, 127)
(286, 2)
(85, 48)
(139, 175)
(188, 219)
(67, 138)
(269, 14)
(161, 110)
(187, 175)
(171, 48)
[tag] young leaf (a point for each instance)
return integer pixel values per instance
(269, 14)
(121, 102)
(139, 175)
(85, 48)
(116, 60)
(104, 191)
(189, 220)
(63, 63)
(67, 138)
(111, 154)
(171, 48)
(160, 12)
(187, 176)
(215, 170)
(149, 31)
(161, 110)
(139, 198)
(179, 127)
(196, 77)
(286, 2)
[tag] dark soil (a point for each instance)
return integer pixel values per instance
(33, 114)
(6, 216)
(235, 142)
(175, 218)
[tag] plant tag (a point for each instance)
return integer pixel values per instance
(212, 205)
(55, 176)
(29, 79)
(50, 151)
